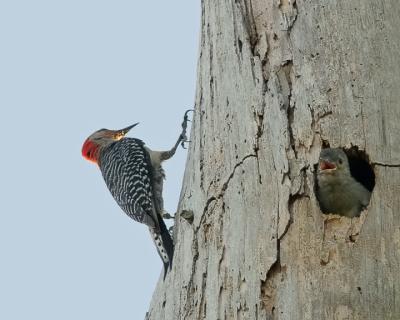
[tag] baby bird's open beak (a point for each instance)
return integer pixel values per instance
(326, 166)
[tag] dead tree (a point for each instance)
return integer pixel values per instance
(277, 81)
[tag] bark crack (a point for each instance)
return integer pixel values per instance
(226, 183)
(195, 246)
(285, 77)
(388, 165)
(259, 119)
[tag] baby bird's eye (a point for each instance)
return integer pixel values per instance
(340, 161)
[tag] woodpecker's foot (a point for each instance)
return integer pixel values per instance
(183, 143)
(188, 215)
(171, 231)
(165, 155)
(166, 215)
(183, 137)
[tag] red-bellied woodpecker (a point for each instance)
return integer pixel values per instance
(134, 176)
(338, 192)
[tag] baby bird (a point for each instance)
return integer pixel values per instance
(338, 192)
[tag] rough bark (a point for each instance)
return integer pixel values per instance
(276, 80)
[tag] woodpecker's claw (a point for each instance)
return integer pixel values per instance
(171, 231)
(183, 143)
(183, 140)
(166, 215)
(183, 136)
(185, 120)
(187, 111)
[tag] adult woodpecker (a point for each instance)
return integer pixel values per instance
(134, 176)
(338, 192)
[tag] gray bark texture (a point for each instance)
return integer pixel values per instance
(276, 80)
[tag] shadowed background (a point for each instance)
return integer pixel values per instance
(68, 68)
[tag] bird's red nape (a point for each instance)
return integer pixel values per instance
(90, 151)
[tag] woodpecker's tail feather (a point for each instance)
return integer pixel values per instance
(167, 241)
(164, 245)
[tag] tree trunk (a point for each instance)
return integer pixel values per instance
(276, 81)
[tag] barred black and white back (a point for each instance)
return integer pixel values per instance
(127, 174)
(126, 168)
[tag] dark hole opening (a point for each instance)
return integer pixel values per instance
(360, 168)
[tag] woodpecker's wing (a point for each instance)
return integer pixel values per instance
(127, 171)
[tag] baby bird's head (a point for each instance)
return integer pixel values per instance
(333, 162)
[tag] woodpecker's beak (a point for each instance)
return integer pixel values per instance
(119, 134)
